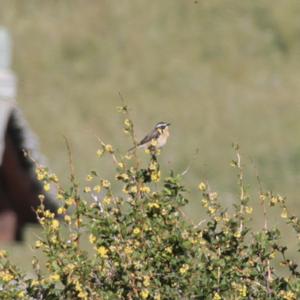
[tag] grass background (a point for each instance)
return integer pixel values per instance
(220, 72)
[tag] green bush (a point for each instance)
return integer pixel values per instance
(142, 246)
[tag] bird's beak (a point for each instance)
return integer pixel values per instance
(168, 124)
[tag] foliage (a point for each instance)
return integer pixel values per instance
(142, 245)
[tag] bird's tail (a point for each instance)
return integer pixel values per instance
(130, 149)
(133, 148)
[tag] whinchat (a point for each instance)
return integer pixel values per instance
(157, 138)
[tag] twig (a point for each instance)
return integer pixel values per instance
(112, 154)
(75, 187)
(192, 160)
(200, 223)
(263, 203)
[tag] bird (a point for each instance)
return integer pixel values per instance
(157, 138)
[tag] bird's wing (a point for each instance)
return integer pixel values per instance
(154, 134)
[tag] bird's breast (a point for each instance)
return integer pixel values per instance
(161, 141)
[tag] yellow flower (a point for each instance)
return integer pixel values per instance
(217, 297)
(61, 210)
(105, 183)
(226, 217)
(164, 212)
(106, 200)
(60, 196)
(87, 189)
(123, 176)
(193, 241)
(204, 202)
(133, 189)
(89, 177)
(288, 295)
(169, 249)
(157, 297)
(47, 187)
(92, 238)
(136, 231)
(146, 281)
(112, 248)
(40, 176)
(237, 234)
(128, 250)
(34, 282)
(213, 196)
(67, 219)
(70, 267)
(38, 244)
(70, 201)
(121, 165)
(243, 291)
(202, 241)
(54, 277)
(3, 253)
(153, 205)
(54, 178)
(102, 251)
(211, 209)
(109, 148)
(144, 293)
(128, 156)
(53, 239)
(184, 269)
(262, 197)
(146, 227)
(40, 173)
(145, 189)
(153, 166)
(55, 224)
(83, 295)
(217, 219)
(155, 176)
(99, 153)
(6, 276)
(97, 188)
(48, 214)
(202, 186)
(249, 210)
(284, 213)
(185, 234)
(127, 123)
(274, 200)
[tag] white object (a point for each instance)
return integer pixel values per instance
(5, 49)
(7, 86)
(8, 83)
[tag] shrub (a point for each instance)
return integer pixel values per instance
(142, 246)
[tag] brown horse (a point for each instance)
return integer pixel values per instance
(19, 189)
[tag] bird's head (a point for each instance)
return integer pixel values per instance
(162, 125)
(163, 128)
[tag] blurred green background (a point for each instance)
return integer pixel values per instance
(220, 72)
